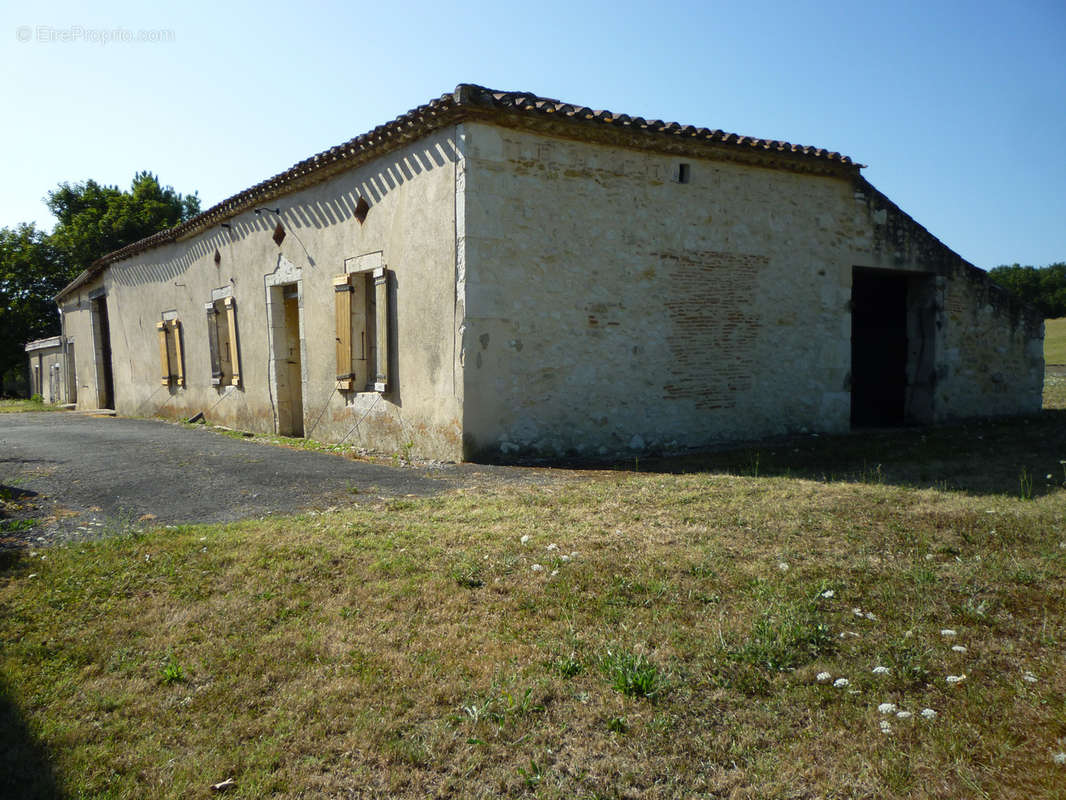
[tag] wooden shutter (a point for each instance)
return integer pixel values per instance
(179, 356)
(164, 356)
(342, 295)
(381, 333)
(231, 319)
(212, 343)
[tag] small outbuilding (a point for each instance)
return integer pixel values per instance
(495, 274)
(49, 370)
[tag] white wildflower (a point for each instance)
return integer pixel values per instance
(555, 572)
(857, 612)
(783, 566)
(947, 632)
(841, 683)
(553, 546)
(1059, 758)
(870, 616)
(564, 558)
(928, 713)
(828, 594)
(886, 727)
(903, 715)
(953, 679)
(1029, 677)
(887, 708)
(537, 568)
(880, 670)
(823, 677)
(524, 539)
(958, 648)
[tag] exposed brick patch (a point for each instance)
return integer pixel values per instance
(714, 324)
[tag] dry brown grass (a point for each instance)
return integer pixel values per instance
(410, 649)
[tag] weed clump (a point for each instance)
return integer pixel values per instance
(633, 674)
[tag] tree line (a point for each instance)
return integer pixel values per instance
(1043, 287)
(92, 220)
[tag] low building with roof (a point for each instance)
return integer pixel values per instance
(49, 370)
(495, 274)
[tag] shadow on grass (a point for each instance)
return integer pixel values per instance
(25, 766)
(1009, 457)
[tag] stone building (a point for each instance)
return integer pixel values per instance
(495, 274)
(49, 373)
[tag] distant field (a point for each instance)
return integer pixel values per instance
(1055, 341)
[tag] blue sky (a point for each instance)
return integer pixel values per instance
(958, 109)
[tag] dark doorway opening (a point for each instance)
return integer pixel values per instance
(105, 382)
(893, 333)
(878, 348)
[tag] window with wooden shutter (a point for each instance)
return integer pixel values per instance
(223, 343)
(212, 343)
(342, 297)
(362, 323)
(234, 353)
(171, 360)
(381, 302)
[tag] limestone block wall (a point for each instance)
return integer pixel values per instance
(611, 308)
(409, 229)
(993, 361)
(619, 300)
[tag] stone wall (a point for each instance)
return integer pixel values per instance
(613, 307)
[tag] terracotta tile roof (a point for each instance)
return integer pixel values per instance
(526, 103)
(514, 109)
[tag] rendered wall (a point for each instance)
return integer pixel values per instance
(610, 309)
(409, 229)
(48, 369)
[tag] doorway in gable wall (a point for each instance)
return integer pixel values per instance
(892, 348)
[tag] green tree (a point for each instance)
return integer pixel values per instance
(92, 221)
(1043, 287)
(95, 220)
(30, 275)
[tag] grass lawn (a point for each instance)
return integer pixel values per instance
(14, 406)
(1055, 341)
(878, 616)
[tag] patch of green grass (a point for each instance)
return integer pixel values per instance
(633, 674)
(18, 406)
(786, 634)
(172, 671)
(1055, 341)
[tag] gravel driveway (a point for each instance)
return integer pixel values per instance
(84, 476)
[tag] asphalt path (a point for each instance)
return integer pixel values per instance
(82, 476)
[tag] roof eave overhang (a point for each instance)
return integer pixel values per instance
(507, 109)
